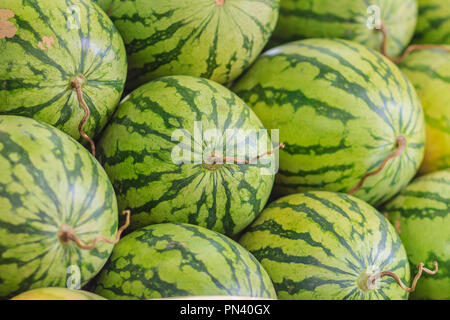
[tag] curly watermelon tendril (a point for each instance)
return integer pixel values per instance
(77, 85)
(372, 279)
(406, 53)
(401, 146)
(66, 235)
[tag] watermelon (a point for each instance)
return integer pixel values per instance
(429, 71)
(343, 110)
(57, 294)
(433, 24)
(173, 260)
(213, 39)
(50, 46)
(421, 213)
(137, 150)
(49, 183)
(355, 20)
(325, 246)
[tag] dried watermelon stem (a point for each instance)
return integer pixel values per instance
(110, 9)
(212, 160)
(77, 85)
(414, 47)
(371, 280)
(401, 146)
(66, 235)
(220, 2)
(113, 6)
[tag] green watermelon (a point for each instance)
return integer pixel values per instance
(348, 19)
(323, 245)
(429, 71)
(46, 46)
(433, 24)
(173, 260)
(57, 294)
(137, 149)
(421, 213)
(213, 39)
(49, 182)
(342, 110)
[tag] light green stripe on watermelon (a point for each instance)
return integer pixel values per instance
(57, 294)
(340, 108)
(136, 151)
(429, 71)
(170, 260)
(48, 51)
(47, 180)
(193, 37)
(323, 245)
(421, 213)
(433, 24)
(347, 19)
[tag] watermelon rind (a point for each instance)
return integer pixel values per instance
(54, 43)
(211, 39)
(340, 109)
(433, 23)
(429, 72)
(138, 146)
(356, 20)
(421, 214)
(173, 260)
(49, 180)
(54, 293)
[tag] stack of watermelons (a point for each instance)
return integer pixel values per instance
(343, 125)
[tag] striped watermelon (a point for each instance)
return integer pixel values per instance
(136, 150)
(173, 260)
(323, 245)
(48, 45)
(348, 19)
(49, 181)
(106, 5)
(342, 109)
(213, 39)
(57, 294)
(433, 24)
(429, 71)
(421, 213)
